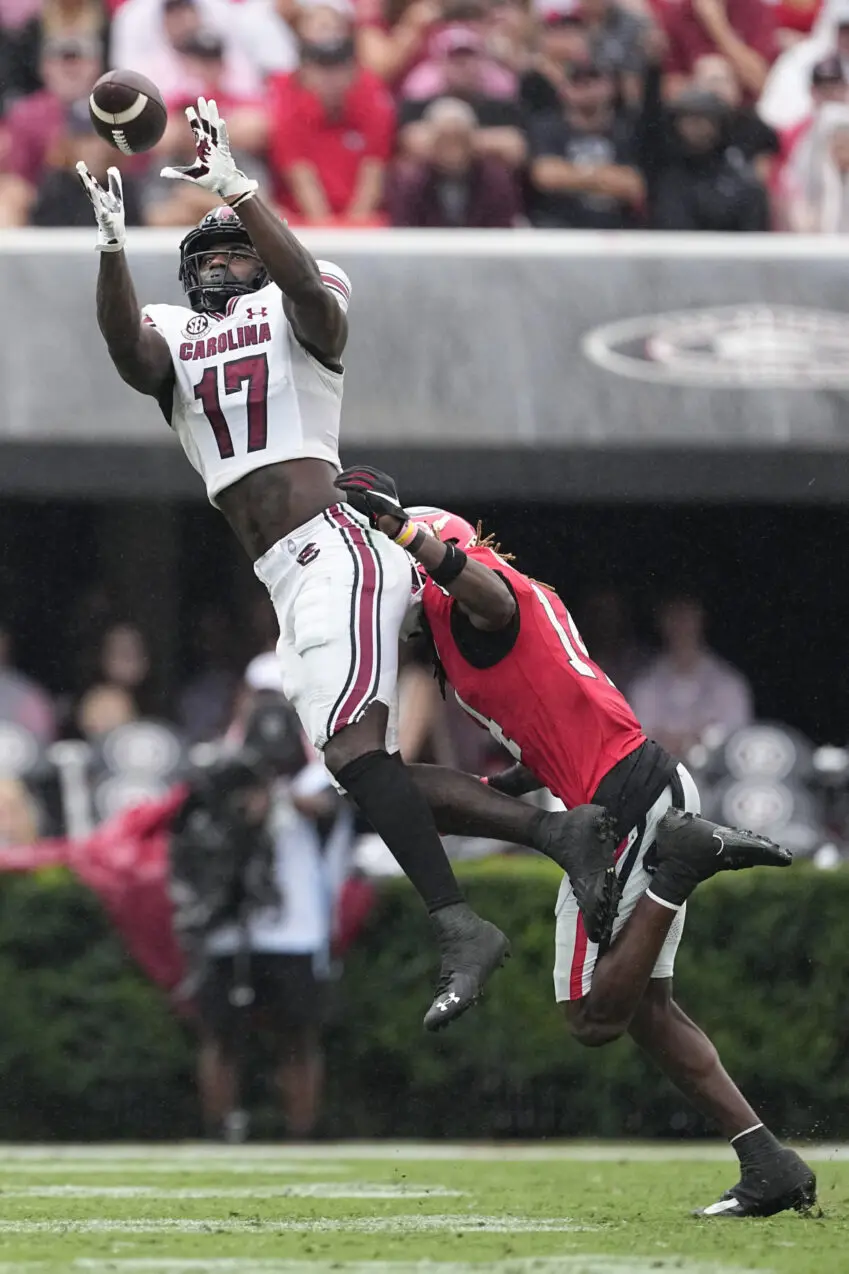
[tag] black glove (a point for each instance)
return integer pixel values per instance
(515, 781)
(372, 492)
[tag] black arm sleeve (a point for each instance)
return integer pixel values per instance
(478, 647)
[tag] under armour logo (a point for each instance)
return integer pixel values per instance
(445, 1005)
(252, 313)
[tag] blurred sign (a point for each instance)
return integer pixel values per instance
(729, 346)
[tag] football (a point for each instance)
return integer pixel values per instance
(127, 110)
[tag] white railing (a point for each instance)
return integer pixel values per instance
(475, 243)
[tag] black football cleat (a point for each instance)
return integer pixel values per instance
(583, 842)
(788, 1183)
(690, 849)
(472, 949)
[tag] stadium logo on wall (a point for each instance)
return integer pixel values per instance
(761, 806)
(728, 347)
(760, 751)
(196, 326)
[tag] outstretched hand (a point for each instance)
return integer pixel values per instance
(214, 168)
(108, 208)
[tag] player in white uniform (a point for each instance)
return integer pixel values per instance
(249, 377)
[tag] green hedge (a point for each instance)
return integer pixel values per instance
(88, 1049)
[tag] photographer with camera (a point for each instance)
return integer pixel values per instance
(255, 857)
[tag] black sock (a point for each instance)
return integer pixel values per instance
(755, 1147)
(384, 790)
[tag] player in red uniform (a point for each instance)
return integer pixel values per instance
(516, 661)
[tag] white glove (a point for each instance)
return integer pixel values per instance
(108, 208)
(214, 169)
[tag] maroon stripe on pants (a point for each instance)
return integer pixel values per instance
(365, 658)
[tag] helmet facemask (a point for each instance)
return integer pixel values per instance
(209, 290)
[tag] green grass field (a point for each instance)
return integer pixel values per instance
(535, 1209)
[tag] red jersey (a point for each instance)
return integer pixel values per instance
(303, 132)
(543, 698)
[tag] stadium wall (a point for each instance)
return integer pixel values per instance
(548, 364)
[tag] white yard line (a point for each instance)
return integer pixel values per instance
(297, 1190)
(519, 1265)
(195, 1156)
(470, 1223)
(160, 1166)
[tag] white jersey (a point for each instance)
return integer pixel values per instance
(246, 392)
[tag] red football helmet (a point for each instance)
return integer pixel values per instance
(446, 526)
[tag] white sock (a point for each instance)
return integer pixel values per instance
(670, 906)
(745, 1132)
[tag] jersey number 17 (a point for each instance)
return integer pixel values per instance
(254, 370)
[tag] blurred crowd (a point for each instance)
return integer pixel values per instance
(658, 114)
(681, 691)
(685, 694)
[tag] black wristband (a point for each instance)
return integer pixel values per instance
(450, 566)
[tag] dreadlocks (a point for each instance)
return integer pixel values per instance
(490, 542)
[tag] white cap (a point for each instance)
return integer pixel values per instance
(263, 673)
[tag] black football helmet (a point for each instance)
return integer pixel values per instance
(219, 229)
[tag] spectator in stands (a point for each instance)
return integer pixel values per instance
(43, 126)
(332, 127)
(423, 733)
(561, 44)
(509, 35)
(458, 184)
(694, 180)
(828, 84)
(434, 729)
(201, 56)
(60, 199)
(120, 687)
(498, 132)
(390, 43)
(755, 141)
(688, 688)
(102, 708)
(15, 13)
(615, 35)
(207, 700)
(466, 34)
(146, 35)
(125, 663)
(23, 701)
(743, 31)
(584, 170)
(606, 626)
(786, 100)
(815, 184)
(59, 21)
(794, 20)
(20, 818)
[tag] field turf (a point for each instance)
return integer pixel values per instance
(361, 1209)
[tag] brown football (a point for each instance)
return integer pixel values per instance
(127, 110)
